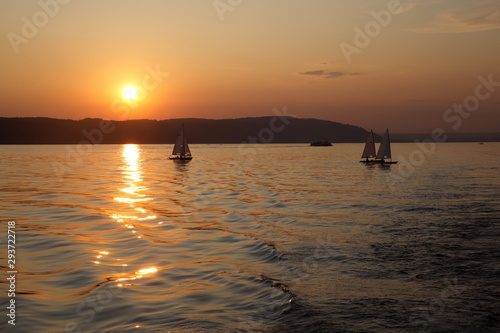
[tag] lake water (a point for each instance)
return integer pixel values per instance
(284, 238)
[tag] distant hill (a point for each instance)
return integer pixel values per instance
(262, 129)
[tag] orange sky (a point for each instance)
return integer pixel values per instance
(229, 59)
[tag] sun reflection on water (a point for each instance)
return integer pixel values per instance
(131, 214)
(137, 275)
(132, 174)
(133, 177)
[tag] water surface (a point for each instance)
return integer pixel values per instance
(283, 238)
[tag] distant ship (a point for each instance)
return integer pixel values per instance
(324, 143)
(384, 155)
(181, 149)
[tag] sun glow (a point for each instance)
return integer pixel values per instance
(130, 93)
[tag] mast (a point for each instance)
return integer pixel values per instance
(179, 142)
(185, 147)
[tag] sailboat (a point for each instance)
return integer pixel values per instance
(369, 151)
(384, 150)
(383, 155)
(181, 149)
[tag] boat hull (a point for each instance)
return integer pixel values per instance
(378, 162)
(181, 158)
(385, 161)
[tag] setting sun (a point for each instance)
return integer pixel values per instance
(130, 93)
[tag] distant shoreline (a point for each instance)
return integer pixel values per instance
(251, 130)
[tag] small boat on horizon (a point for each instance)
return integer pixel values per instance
(181, 150)
(324, 143)
(383, 156)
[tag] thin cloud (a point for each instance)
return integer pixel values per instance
(483, 17)
(407, 5)
(319, 73)
(332, 75)
(327, 74)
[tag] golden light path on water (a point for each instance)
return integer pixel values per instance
(133, 177)
(134, 193)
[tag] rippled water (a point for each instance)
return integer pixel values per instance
(286, 238)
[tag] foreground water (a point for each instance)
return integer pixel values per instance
(286, 238)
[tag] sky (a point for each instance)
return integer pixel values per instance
(411, 66)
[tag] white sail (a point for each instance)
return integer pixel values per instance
(181, 148)
(384, 151)
(369, 151)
